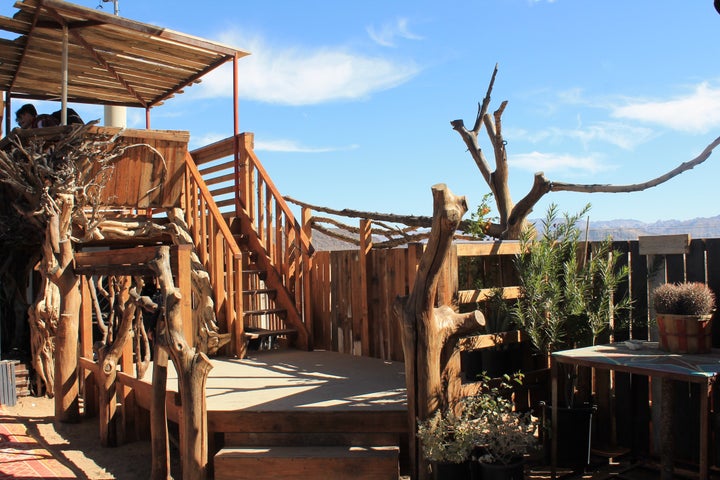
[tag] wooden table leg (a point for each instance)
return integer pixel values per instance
(554, 409)
(667, 447)
(705, 392)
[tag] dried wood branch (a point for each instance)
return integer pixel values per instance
(512, 217)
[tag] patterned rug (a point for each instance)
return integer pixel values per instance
(22, 457)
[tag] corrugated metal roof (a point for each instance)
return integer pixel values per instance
(112, 60)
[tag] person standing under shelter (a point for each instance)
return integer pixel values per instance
(27, 117)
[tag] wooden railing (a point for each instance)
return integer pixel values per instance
(218, 252)
(243, 192)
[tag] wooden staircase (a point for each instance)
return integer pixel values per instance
(254, 250)
(267, 304)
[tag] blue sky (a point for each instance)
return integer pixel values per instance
(351, 102)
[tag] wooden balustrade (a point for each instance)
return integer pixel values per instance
(242, 190)
(219, 253)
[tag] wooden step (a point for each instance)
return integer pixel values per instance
(271, 293)
(265, 311)
(265, 339)
(307, 462)
(253, 333)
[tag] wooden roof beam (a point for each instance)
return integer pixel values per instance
(22, 56)
(78, 38)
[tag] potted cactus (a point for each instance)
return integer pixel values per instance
(684, 314)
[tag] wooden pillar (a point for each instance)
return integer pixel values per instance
(184, 279)
(363, 330)
(306, 215)
(86, 344)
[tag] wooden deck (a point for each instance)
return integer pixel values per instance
(295, 399)
(293, 380)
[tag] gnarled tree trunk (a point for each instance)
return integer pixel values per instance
(192, 368)
(429, 332)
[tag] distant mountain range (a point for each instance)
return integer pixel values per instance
(631, 229)
(617, 229)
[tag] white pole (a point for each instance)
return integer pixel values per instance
(64, 88)
(115, 116)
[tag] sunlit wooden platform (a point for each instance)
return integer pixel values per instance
(293, 380)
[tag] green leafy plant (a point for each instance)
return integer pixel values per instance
(479, 220)
(567, 297)
(446, 437)
(498, 316)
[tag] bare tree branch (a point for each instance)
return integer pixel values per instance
(637, 187)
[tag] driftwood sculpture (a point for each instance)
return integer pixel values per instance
(53, 186)
(192, 368)
(429, 333)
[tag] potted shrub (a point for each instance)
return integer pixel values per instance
(447, 440)
(485, 435)
(503, 436)
(684, 316)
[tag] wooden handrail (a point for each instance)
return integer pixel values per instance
(269, 216)
(218, 252)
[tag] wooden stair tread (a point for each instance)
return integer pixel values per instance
(306, 462)
(309, 451)
(255, 333)
(259, 290)
(264, 311)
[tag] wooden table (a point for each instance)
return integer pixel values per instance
(644, 358)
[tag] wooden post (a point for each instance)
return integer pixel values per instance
(366, 244)
(158, 418)
(184, 275)
(307, 265)
(86, 350)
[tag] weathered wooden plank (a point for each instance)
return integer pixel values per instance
(639, 290)
(664, 244)
(675, 268)
(475, 296)
(490, 248)
(270, 463)
(308, 421)
(695, 262)
(712, 247)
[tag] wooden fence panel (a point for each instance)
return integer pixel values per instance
(712, 249)
(388, 276)
(321, 306)
(695, 262)
(639, 291)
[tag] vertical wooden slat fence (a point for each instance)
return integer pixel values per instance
(389, 274)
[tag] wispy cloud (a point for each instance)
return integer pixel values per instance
(696, 112)
(387, 34)
(549, 162)
(619, 134)
(298, 76)
(291, 146)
